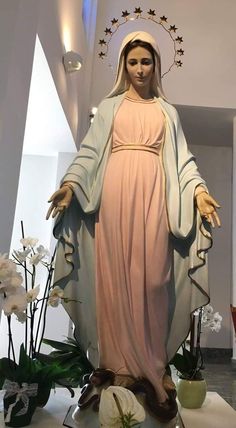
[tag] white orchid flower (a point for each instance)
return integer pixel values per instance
(15, 280)
(3, 258)
(21, 317)
(55, 296)
(22, 255)
(217, 317)
(11, 284)
(7, 267)
(216, 326)
(29, 242)
(109, 414)
(204, 318)
(208, 309)
(32, 294)
(14, 291)
(35, 259)
(41, 253)
(42, 250)
(14, 304)
(211, 320)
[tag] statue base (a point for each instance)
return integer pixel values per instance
(85, 418)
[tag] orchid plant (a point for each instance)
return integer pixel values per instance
(23, 298)
(190, 363)
(210, 319)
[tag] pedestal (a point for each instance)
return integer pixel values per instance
(87, 418)
(215, 413)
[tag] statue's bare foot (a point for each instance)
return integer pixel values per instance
(168, 383)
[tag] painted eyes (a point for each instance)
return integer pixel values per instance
(144, 61)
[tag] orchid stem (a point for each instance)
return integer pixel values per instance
(10, 343)
(43, 309)
(44, 306)
(199, 330)
(26, 289)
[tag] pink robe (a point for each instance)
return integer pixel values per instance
(133, 251)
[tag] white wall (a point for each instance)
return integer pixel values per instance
(17, 36)
(36, 184)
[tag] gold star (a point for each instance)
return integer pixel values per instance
(138, 10)
(151, 12)
(163, 18)
(108, 31)
(179, 63)
(114, 21)
(101, 55)
(173, 28)
(180, 52)
(102, 42)
(125, 13)
(179, 39)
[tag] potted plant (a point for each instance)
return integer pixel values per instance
(69, 355)
(28, 381)
(191, 386)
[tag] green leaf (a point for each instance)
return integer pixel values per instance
(179, 362)
(187, 364)
(7, 369)
(23, 358)
(59, 345)
(72, 341)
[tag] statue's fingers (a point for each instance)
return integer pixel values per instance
(50, 209)
(53, 197)
(216, 218)
(57, 210)
(210, 220)
(214, 202)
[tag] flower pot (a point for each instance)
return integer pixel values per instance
(44, 390)
(19, 402)
(191, 393)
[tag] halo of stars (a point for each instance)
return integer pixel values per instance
(151, 14)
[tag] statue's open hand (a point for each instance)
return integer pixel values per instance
(60, 200)
(207, 205)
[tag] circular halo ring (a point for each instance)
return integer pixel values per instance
(151, 16)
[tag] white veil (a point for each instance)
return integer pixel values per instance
(121, 82)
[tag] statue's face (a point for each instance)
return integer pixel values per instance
(140, 67)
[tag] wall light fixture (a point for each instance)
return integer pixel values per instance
(72, 61)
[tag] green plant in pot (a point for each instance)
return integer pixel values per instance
(191, 386)
(69, 355)
(27, 383)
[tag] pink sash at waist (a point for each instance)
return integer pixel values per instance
(135, 147)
